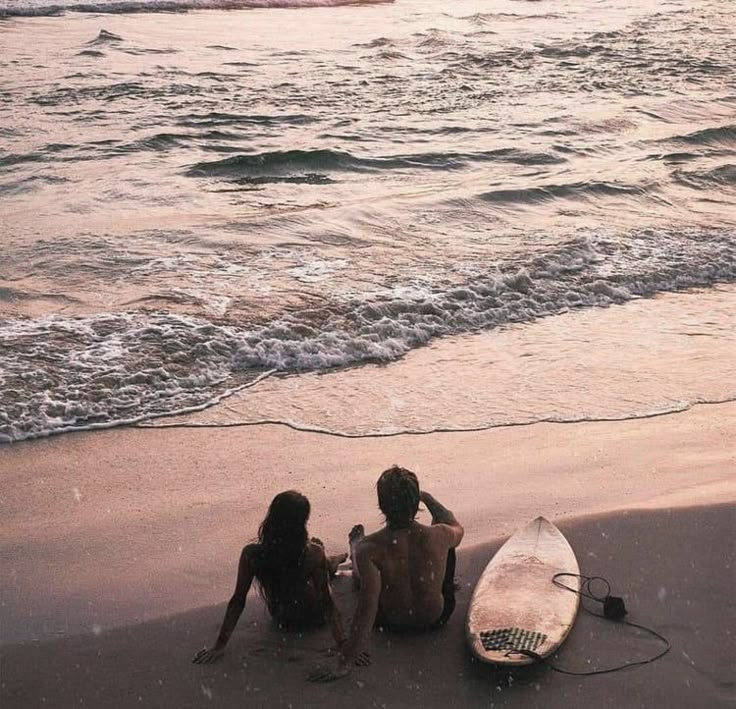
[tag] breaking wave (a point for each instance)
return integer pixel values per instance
(116, 368)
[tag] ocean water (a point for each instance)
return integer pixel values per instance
(203, 197)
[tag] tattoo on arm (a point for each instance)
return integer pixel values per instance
(440, 513)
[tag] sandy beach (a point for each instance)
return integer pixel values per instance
(258, 245)
(119, 552)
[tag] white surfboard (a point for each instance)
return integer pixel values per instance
(515, 604)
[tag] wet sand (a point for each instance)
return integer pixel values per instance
(119, 551)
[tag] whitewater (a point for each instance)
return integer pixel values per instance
(211, 199)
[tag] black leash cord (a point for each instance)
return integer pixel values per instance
(588, 592)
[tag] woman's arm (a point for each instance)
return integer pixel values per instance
(234, 609)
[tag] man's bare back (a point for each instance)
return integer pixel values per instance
(405, 570)
(411, 567)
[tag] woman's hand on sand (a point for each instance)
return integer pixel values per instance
(206, 656)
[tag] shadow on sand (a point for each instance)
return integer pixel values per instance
(675, 569)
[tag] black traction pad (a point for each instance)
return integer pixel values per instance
(511, 639)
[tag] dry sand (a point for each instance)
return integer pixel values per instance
(119, 550)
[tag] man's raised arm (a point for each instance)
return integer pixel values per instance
(441, 515)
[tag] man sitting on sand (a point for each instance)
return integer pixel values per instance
(405, 570)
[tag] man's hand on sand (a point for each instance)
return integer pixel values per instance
(323, 673)
(206, 656)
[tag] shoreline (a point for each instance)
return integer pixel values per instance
(396, 434)
(188, 421)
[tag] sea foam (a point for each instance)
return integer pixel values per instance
(95, 371)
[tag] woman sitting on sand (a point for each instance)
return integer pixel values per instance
(292, 572)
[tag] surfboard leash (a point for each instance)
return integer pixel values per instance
(613, 609)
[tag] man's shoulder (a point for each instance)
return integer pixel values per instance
(451, 534)
(377, 538)
(386, 536)
(373, 544)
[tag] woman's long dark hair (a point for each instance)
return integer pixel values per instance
(283, 539)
